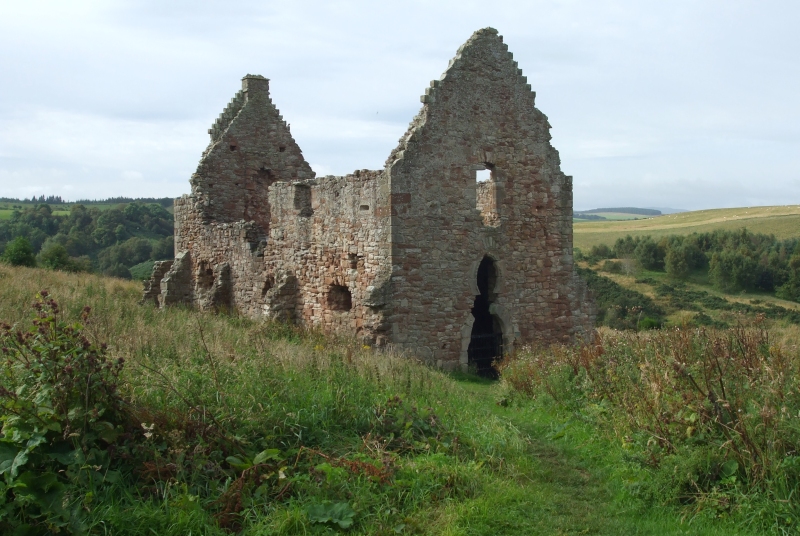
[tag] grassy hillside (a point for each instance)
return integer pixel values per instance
(782, 221)
(7, 208)
(240, 426)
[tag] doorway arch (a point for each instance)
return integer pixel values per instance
(486, 338)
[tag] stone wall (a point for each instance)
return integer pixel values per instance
(404, 255)
(481, 114)
(332, 235)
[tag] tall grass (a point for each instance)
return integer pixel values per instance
(713, 415)
(255, 426)
(237, 425)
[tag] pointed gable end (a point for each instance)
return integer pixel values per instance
(480, 98)
(251, 148)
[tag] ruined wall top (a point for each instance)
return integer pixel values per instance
(482, 66)
(251, 148)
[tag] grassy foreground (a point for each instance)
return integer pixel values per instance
(239, 426)
(782, 221)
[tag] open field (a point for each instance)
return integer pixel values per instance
(617, 216)
(782, 221)
(60, 209)
(447, 454)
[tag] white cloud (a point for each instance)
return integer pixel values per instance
(689, 104)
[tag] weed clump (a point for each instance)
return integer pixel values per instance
(61, 415)
(709, 413)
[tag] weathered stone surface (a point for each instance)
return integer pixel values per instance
(392, 256)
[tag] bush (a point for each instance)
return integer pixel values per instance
(19, 253)
(601, 251)
(733, 270)
(650, 255)
(791, 289)
(677, 262)
(613, 267)
(618, 307)
(710, 413)
(60, 412)
(55, 257)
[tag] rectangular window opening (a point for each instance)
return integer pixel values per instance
(483, 175)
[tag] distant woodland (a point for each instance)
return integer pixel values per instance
(731, 261)
(117, 238)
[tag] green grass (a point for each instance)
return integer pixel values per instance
(477, 460)
(619, 216)
(782, 221)
(61, 209)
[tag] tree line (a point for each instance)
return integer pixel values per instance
(733, 261)
(110, 241)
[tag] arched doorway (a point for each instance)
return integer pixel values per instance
(486, 341)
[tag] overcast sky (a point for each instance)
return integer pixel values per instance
(685, 104)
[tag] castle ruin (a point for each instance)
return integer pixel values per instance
(459, 249)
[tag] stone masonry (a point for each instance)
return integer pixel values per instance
(421, 255)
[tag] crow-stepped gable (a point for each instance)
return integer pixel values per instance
(459, 249)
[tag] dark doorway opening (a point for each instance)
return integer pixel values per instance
(486, 341)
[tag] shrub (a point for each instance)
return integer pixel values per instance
(601, 251)
(677, 262)
(618, 307)
(650, 255)
(60, 411)
(791, 289)
(613, 267)
(55, 257)
(19, 253)
(711, 413)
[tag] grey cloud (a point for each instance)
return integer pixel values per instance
(681, 104)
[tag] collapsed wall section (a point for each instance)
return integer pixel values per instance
(327, 254)
(251, 148)
(222, 226)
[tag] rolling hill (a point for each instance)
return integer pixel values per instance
(782, 221)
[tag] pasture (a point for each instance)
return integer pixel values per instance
(782, 221)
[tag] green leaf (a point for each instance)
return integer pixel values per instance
(108, 432)
(729, 468)
(112, 477)
(19, 460)
(72, 457)
(237, 463)
(7, 455)
(264, 455)
(339, 513)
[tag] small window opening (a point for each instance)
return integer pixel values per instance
(364, 207)
(205, 276)
(302, 200)
(487, 192)
(264, 173)
(233, 147)
(339, 298)
(352, 258)
(268, 284)
(281, 149)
